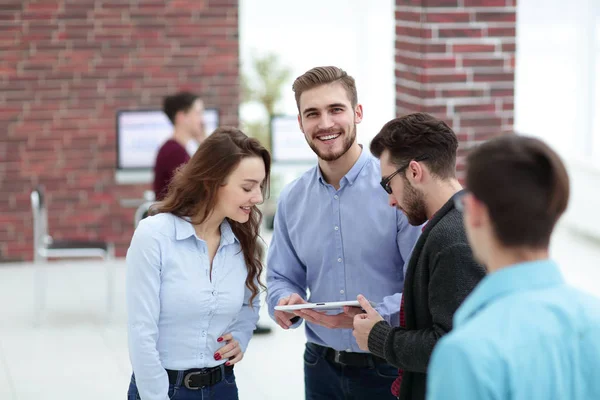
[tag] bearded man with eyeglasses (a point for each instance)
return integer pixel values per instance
(418, 167)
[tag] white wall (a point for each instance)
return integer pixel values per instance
(557, 93)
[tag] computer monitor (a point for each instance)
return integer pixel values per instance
(140, 133)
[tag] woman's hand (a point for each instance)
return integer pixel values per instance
(231, 350)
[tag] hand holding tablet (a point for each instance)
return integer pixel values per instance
(290, 309)
(331, 305)
(286, 319)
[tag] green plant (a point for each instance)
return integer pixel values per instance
(264, 85)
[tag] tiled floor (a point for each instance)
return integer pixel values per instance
(75, 353)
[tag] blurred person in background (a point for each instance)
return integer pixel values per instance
(335, 236)
(193, 271)
(523, 333)
(185, 110)
(418, 172)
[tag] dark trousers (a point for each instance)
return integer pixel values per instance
(224, 390)
(328, 380)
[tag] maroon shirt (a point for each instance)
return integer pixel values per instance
(170, 156)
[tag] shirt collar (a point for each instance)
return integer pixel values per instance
(184, 229)
(516, 278)
(227, 235)
(351, 176)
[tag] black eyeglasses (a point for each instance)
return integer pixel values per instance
(385, 182)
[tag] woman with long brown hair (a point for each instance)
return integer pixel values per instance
(193, 271)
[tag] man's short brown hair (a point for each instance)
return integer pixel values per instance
(415, 136)
(524, 185)
(182, 101)
(321, 76)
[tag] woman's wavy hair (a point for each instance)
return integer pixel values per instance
(193, 192)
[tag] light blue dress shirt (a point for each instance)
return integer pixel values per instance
(338, 244)
(522, 334)
(175, 311)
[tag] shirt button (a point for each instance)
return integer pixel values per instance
(214, 292)
(340, 259)
(336, 228)
(336, 197)
(341, 292)
(203, 333)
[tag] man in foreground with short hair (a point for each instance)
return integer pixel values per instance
(523, 333)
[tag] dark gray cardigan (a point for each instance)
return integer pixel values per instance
(440, 274)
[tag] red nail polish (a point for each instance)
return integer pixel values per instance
(228, 363)
(217, 356)
(220, 339)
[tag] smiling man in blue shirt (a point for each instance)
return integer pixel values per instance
(523, 333)
(336, 236)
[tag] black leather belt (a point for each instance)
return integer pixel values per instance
(360, 360)
(197, 378)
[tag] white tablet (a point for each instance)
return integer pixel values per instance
(329, 305)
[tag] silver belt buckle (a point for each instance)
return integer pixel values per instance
(186, 379)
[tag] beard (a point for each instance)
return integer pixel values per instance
(414, 209)
(332, 156)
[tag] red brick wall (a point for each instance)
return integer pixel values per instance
(66, 67)
(455, 59)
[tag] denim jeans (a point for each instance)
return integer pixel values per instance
(224, 390)
(325, 380)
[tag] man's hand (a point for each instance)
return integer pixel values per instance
(339, 321)
(363, 323)
(283, 318)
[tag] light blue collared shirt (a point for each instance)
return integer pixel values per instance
(524, 334)
(338, 244)
(175, 311)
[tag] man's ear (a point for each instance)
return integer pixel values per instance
(415, 172)
(358, 113)
(477, 211)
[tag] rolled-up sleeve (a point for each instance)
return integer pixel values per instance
(143, 310)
